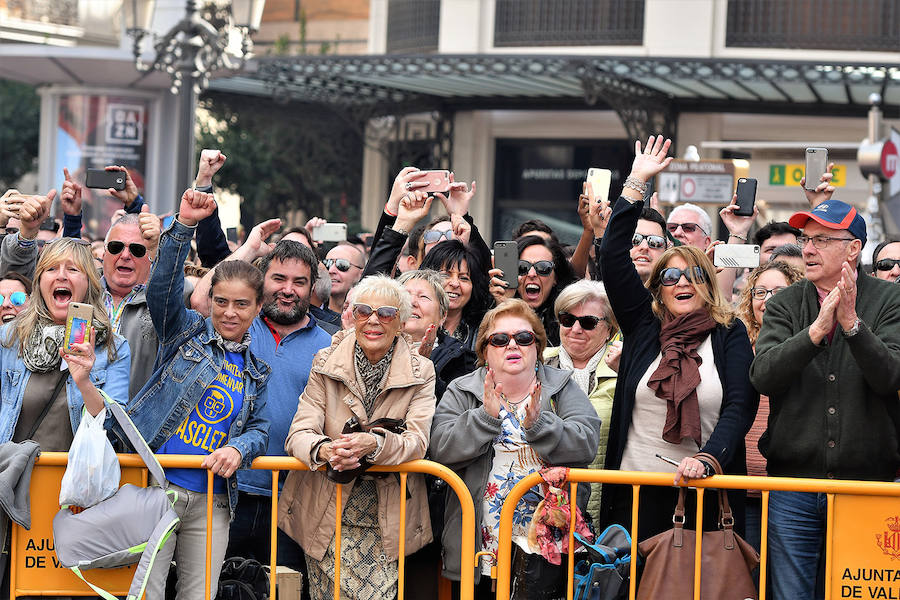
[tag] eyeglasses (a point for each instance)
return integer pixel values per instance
(16, 298)
(116, 247)
(432, 236)
(343, 265)
(522, 338)
(541, 267)
(42, 244)
(587, 322)
(672, 275)
(886, 264)
(761, 293)
(686, 227)
(385, 314)
(820, 241)
(653, 241)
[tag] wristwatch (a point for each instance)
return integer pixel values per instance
(206, 189)
(853, 330)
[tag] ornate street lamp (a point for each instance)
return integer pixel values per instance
(213, 35)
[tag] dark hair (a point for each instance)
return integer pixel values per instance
(12, 275)
(230, 270)
(561, 267)
(411, 248)
(420, 241)
(451, 254)
(291, 250)
(880, 247)
(773, 228)
(533, 225)
(790, 250)
(302, 231)
(651, 214)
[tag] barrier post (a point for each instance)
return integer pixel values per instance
(698, 544)
(763, 545)
(273, 536)
(207, 592)
(401, 555)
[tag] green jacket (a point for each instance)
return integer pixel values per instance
(834, 407)
(603, 388)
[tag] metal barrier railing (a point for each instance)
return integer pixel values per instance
(830, 487)
(275, 465)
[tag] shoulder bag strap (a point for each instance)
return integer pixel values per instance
(59, 385)
(726, 518)
(136, 439)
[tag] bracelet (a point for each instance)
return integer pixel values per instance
(636, 184)
(740, 237)
(206, 189)
(387, 212)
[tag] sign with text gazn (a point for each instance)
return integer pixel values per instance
(791, 174)
(866, 545)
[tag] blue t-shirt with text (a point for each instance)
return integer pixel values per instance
(206, 428)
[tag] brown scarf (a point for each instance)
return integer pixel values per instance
(678, 374)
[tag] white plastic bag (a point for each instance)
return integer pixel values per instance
(93, 472)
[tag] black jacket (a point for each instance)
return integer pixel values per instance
(451, 360)
(631, 303)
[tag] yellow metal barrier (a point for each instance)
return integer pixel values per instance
(856, 502)
(27, 556)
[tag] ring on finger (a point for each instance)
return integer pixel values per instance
(408, 185)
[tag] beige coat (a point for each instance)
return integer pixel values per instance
(306, 510)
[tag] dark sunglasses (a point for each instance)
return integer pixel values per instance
(116, 247)
(385, 314)
(433, 235)
(522, 338)
(16, 298)
(343, 265)
(686, 227)
(886, 264)
(653, 241)
(672, 275)
(587, 322)
(541, 267)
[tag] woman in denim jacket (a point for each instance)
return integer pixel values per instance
(32, 344)
(205, 397)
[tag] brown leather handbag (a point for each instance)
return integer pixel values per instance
(728, 560)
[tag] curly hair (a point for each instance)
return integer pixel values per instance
(745, 305)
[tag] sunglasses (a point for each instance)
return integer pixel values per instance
(886, 264)
(541, 267)
(343, 265)
(522, 338)
(587, 322)
(672, 275)
(686, 227)
(653, 241)
(116, 247)
(433, 235)
(16, 298)
(385, 314)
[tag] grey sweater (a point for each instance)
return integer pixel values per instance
(834, 407)
(462, 437)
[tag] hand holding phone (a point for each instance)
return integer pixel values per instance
(436, 181)
(329, 232)
(78, 324)
(816, 166)
(102, 179)
(506, 258)
(746, 197)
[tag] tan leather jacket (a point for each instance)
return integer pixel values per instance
(306, 510)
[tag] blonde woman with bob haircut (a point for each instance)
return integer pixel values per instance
(684, 389)
(511, 417)
(32, 347)
(587, 328)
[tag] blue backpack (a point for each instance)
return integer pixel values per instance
(604, 575)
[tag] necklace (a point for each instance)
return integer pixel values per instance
(515, 405)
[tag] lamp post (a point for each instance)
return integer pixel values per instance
(213, 35)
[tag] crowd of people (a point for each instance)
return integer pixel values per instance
(629, 346)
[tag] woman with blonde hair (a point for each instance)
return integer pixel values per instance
(509, 418)
(763, 282)
(684, 389)
(43, 399)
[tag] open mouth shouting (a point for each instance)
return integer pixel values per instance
(532, 293)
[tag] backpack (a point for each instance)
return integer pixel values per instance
(127, 528)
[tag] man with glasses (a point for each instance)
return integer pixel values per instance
(828, 357)
(886, 260)
(647, 244)
(690, 225)
(345, 264)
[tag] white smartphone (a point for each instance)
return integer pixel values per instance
(599, 180)
(736, 255)
(330, 232)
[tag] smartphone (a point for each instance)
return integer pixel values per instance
(506, 258)
(103, 180)
(816, 164)
(736, 255)
(78, 323)
(599, 180)
(330, 232)
(438, 181)
(746, 196)
(671, 461)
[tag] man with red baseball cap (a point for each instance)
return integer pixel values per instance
(828, 357)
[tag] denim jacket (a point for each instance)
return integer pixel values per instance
(111, 377)
(189, 359)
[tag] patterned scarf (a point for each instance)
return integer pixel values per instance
(585, 378)
(230, 346)
(371, 376)
(41, 350)
(115, 312)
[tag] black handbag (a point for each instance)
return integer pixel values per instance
(354, 426)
